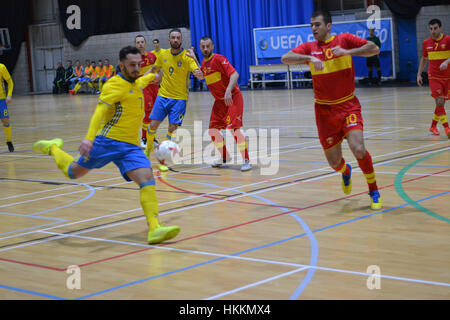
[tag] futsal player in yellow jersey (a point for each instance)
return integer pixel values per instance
(6, 98)
(176, 67)
(113, 135)
(157, 47)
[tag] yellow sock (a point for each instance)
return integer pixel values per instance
(7, 130)
(77, 87)
(62, 160)
(150, 135)
(149, 203)
(91, 85)
(170, 135)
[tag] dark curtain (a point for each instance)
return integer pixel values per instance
(230, 24)
(408, 9)
(97, 17)
(14, 15)
(165, 14)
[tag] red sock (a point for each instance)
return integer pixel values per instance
(242, 144)
(144, 132)
(219, 142)
(343, 168)
(442, 115)
(366, 166)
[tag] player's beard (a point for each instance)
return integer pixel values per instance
(207, 55)
(129, 75)
(174, 46)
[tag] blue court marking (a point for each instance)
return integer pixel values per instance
(70, 204)
(312, 239)
(57, 220)
(254, 249)
(31, 292)
(222, 258)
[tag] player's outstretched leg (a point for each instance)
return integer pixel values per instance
(53, 148)
(157, 233)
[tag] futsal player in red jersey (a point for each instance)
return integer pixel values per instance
(228, 109)
(437, 49)
(338, 111)
(151, 91)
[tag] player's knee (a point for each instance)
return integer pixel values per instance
(5, 122)
(440, 101)
(359, 151)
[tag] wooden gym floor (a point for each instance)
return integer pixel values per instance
(292, 234)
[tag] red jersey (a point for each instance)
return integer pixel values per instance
(437, 51)
(148, 60)
(217, 71)
(335, 83)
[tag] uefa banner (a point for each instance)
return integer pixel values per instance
(271, 43)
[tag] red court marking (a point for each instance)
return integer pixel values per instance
(222, 229)
(32, 264)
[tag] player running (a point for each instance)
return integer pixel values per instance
(338, 111)
(437, 49)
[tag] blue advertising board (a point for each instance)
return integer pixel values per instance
(272, 43)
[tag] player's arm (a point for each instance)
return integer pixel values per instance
(197, 72)
(292, 57)
(444, 65)
(228, 98)
(422, 65)
(148, 78)
(367, 50)
(5, 74)
(94, 126)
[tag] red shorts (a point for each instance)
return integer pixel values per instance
(335, 121)
(224, 117)
(150, 92)
(440, 88)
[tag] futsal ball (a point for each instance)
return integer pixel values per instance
(166, 151)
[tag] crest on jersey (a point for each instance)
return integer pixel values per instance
(330, 140)
(179, 63)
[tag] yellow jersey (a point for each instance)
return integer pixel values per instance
(176, 70)
(125, 102)
(157, 53)
(5, 76)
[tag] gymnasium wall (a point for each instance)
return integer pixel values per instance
(20, 73)
(108, 46)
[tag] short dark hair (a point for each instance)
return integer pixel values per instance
(69, 61)
(435, 21)
(93, 61)
(156, 40)
(139, 36)
(325, 14)
(126, 51)
(100, 60)
(174, 30)
(206, 38)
